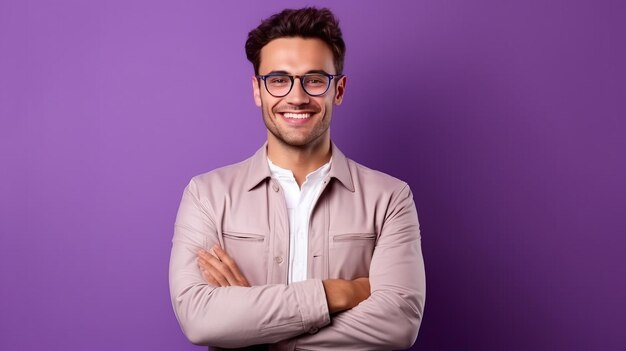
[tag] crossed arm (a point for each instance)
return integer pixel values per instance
(221, 270)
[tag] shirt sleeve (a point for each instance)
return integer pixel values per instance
(391, 316)
(233, 316)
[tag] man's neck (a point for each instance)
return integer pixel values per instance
(300, 160)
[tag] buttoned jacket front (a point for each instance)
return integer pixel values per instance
(363, 224)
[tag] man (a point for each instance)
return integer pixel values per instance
(297, 247)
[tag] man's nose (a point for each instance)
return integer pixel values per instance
(297, 95)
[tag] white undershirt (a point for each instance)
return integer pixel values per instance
(299, 205)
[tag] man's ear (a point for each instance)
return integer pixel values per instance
(340, 90)
(256, 91)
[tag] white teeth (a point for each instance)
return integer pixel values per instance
(297, 115)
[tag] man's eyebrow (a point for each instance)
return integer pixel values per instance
(318, 71)
(278, 72)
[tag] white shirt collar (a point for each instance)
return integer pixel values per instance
(282, 173)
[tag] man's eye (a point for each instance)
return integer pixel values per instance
(315, 80)
(278, 80)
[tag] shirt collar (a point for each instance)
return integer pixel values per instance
(259, 169)
(279, 172)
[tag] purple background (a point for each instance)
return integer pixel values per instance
(507, 120)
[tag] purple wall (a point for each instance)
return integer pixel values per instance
(507, 120)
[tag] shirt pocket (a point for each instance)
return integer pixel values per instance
(249, 250)
(350, 255)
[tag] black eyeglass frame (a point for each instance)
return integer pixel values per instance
(292, 78)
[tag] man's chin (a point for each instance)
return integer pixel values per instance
(298, 143)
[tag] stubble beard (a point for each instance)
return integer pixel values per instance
(318, 131)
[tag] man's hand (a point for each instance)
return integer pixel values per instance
(342, 294)
(219, 269)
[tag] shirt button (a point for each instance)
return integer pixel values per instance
(275, 187)
(278, 259)
(313, 330)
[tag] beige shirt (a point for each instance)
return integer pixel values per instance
(363, 224)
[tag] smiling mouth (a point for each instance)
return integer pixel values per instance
(296, 115)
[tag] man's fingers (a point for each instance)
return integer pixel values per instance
(221, 271)
(221, 267)
(212, 252)
(231, 264)
(207, 267)
(209, 278)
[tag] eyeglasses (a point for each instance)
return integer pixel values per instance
(314, 84)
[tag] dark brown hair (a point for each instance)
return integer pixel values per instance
(308, 22)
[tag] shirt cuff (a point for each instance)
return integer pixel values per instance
(312, 302)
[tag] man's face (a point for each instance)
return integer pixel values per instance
(297, 119)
